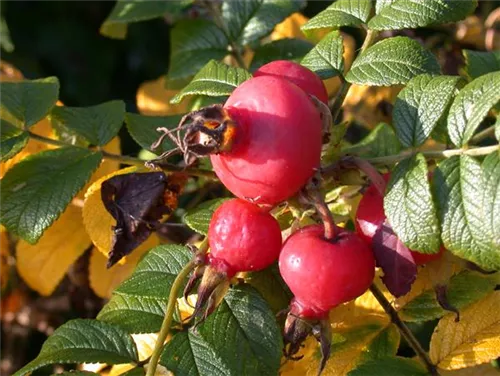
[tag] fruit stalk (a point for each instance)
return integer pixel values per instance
(169, 314)
(403, 329)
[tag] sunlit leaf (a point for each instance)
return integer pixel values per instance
(392, 61)
(408, 14)
(79, 341)
(54, 177)
(474, 340)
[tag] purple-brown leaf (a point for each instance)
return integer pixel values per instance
(395, 259)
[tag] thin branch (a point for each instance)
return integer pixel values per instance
(167, 321)
(405, 332)
(132, 161)
(474, 152)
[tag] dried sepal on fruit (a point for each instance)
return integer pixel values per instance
(267, 128)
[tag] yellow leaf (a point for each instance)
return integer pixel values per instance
(429, 275)
(145, 344)
(103, 280)
(482, 370)
(348, 349)
(96, 218)
(370, 105)
(44, 264)
(290, 27)
(474, 340)
(153, 99)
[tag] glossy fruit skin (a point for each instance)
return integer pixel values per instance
(243, 237)
(325, 273)
(277, 146)
(423, 258)
(296, 73)
(370, 216)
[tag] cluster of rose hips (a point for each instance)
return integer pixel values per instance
(265, 146)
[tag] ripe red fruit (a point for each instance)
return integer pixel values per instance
(324, 273)
(243, 237)
(298, 74)
(370, 216)
(277, 144)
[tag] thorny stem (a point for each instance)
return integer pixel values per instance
(167, 320)
(371, 35)
(132, 161)
(405, 332)
(235, 51)
(324, 212)
(473, 152)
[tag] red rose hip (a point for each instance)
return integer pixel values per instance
(324, 273)
(277, 142)
(298, 74)
(243, 236)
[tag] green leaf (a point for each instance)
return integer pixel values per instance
(341, 13)
(381, 4)
(134, 314)
(135, 372)
(491, 199)
(392, 61)
(12, 139)
(29, 101)
(198, 218)
(386, 343)
(409, 207)
(193, 44)
(271, 286)
(143, 130)
(478, 63)
(84, 341)
(128, 11)
(139, 303)
(281, 49)
(471, 106)
(76, 373)
(325, 59)
(155, 273)
(240, 338)
(250, 20)
(497, 127)
(410, 14)
(420, 105)
(381, 141)
(37, 190)
(458, 189)
(98, 124)
(463, 289)
(390, 366)
(215, 80)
